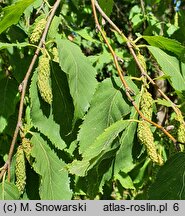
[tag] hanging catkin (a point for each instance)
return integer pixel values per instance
(145, 136)
(180, 129)
(26, 148)
(146, 104)
(141, 60)
(55, 54)
(144, 132)
(44, 79)
(37, 31)
(20, 169)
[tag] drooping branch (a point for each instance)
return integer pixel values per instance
(128, 91)
(23, 88)
(131, 47)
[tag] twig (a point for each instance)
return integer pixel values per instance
(143, 11)
(23, 92)
(118, 9)
(109, 20)
(131, 45)
(127, 90)
(40, 8)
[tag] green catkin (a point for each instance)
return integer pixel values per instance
(144, 132)
(20, 170)
(176, 20)
(142, 61)
(26, 148)
(146, 104)
(55, 54)
(145, 136)
(38, 30)
(181, 133)
(180, 130)
(44, 79)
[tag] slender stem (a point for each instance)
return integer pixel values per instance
(142, 6)
(143, 11)
(143, 72)
(110, 48)
(127, 90)
(109, 20)
(24, 87)
(131, 45)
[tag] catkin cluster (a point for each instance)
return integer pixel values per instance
(44, 79)
(26, 148)
(20, 169)
(37, 31)
(144, 132)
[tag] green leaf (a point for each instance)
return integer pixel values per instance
(35, 5)
(183, 69)
(8, 191)
(103, 142)
(101, 60)
(42, 116)
(32, 184)
(84, 33)
(170, 67)
(170, 180)
(124, 159)
(137, 20)
(81, 75)
(134, 10)
(54, 178)
(119, 38)
(99, 147)
(140, 171)
(164, 102)
(109, 105)
(8, 92)
(62, 105)
(125, 180)
(97, 177)
(12, 14)
(106, 6)
(53, 29)
(78, 167)
(3, 123)
(180, 34)
(106, 170)
(166, 44)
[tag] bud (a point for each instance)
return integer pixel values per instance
(20, 170)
